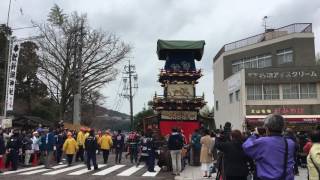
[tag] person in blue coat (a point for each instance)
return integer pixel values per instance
(47, 146)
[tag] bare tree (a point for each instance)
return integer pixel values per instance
(59, 57)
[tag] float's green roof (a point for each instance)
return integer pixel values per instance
(163, 47)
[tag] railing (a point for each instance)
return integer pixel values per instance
(270, 34)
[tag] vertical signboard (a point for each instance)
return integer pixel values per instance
(12, 73)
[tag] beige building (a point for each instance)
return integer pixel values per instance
(272, 72)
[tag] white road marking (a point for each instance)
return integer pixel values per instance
(152, 174)
(23, 170)
(83, 171)
(42, 170)
(131, 170)
(108, 170)
(64, 169)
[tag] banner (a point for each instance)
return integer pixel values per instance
(12, 73)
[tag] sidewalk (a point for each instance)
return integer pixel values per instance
(195, 173)
(192, 173)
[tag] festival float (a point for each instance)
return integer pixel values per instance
(179, 105)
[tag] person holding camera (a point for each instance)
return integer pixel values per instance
(273, 154)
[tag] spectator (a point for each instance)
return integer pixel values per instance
(48, 143)
(13, 149)
(119, 145)
(235, 160)
(313, 158)
(105, 145)
(80, 140)
(91, 146)
(273, 154)
(196, 147)
(2, 148)
(35, 146)
(151, 152)
(59, 145)
(70, 147)
(27, 143)
(289, 133)
(206, 153)
(175, 144)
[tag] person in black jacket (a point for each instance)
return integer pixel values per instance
(91, 146)
(14, 148)
(234, 159)
(2, 147)
(175, 144)
(119, 145)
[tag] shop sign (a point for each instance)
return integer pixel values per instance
(183, 91)
(310, 74)
(179, 115)
(313, 109)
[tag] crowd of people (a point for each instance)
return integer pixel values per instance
(271, 152)
(267, 153)
(47, 147)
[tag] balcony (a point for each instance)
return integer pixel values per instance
(266, 36)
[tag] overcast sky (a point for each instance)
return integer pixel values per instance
(142, 22)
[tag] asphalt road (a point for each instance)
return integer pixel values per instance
(123, 171)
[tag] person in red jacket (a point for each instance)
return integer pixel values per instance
(307, 147)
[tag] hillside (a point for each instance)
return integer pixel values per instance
(110, 119)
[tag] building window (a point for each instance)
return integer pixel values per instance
(299, 91)
(231, 98)
(285, 56)
(238, 95)
(217, 105)
(290, 91)
(264, 61)
(270, 91)
(308, 90)
(254, 92)
(260, 61)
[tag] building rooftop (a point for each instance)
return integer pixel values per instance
(266, 36)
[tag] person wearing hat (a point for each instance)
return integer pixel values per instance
(35, 146)
(105, 145)
(91, 146)
(80, 140)
(70, 147)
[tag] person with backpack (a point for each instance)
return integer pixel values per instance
(91, 147)
(196, 147)
(119, 145)
(313, 159)
(175, 144)
(272, 154)
(133, 141)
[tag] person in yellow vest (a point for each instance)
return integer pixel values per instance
(70, 147)
(106, 144)
(80, 141)
(98, 137)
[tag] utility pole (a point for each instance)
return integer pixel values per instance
(77, 87)
(130, 72)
